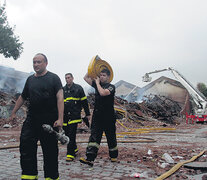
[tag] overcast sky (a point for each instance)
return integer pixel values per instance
(133, 36)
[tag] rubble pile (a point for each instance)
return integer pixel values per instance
(162, 108)
(133, 111)
(7, 103)
(91, 100)
(4, 97)
(158, 107)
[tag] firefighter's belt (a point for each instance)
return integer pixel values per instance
(97, 65)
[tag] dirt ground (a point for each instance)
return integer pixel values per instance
(144, 144)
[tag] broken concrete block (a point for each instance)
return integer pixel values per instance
(7, 126)
(167, 158)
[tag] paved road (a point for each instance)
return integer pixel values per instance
(172, 142)
(103, 169)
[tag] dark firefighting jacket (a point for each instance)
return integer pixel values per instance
(74, 100)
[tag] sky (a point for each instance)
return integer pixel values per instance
(133, 36)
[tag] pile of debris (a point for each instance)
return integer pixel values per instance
(158, 107)
(162, 108)
(7, 103)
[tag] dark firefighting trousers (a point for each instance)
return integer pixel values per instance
(70, 131)
(99, 125)
(30, 134)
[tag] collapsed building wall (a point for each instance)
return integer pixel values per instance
(169, 88)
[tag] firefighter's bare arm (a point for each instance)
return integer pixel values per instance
(60, 105)
(102, 92)
(19, 103)
(88, 79)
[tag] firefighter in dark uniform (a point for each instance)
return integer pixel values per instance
(74, 100)
(103, 119)
(44, 92)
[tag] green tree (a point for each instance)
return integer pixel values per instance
(202, 88)
(10, 45)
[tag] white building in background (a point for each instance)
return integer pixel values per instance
(126, 90)
(162, 86)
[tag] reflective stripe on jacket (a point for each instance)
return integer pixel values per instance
(72, 122)
(74, 100)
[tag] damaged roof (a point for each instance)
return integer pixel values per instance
(167, 80)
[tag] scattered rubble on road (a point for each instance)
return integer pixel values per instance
(155, 118)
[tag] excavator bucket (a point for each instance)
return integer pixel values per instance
(146, 78)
